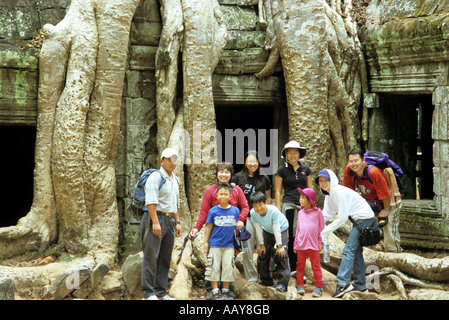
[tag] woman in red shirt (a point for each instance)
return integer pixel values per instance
(224, 174)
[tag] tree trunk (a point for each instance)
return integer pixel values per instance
(82, 64)
(323, 70)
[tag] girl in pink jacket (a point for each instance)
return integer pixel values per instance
(308, 240)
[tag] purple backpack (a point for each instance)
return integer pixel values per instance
(382, 161)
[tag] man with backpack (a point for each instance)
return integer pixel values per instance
(372, 184)
(159, 226)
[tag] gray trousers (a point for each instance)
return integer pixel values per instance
(264, 261)
(156, 255)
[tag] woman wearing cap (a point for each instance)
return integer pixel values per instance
(340, 203)
(291, 176)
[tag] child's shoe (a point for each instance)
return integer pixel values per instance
(318, 292)
(300, 290)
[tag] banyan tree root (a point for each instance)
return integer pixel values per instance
(400, 278)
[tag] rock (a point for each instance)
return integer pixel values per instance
(69, 281)
(45, 261)
(110, 284)
(89, 285)
(131, 271)
(6, 289)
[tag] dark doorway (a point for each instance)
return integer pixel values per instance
(246, 127)
(402, 127)
(17, 162)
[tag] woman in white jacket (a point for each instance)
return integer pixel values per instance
(340, 203)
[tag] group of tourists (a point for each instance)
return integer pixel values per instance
(282, 234)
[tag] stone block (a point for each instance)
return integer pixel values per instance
(20, 22)
(6, 289)
(250, 60)
(440, 181)
(145, 33)
(371, 101)
(239, 2)
(89, 285)
(148, 10)
(140, 84)
(237, 39)
(140, 111)
(131, 270)
(247, 88)
(142, 57)
(240, 18)
(440, 153)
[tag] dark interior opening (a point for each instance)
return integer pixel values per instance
(17, 163)
(249, 119)
(404, 131)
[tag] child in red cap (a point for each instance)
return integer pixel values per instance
(308, 240)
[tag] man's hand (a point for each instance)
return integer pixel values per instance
(178, 230)
(384, 213)
(157, 229)
(261, 250)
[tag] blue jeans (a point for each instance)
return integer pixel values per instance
(353, 258)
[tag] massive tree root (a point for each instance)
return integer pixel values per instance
(324, 71)
(401, 268)
(82, 64)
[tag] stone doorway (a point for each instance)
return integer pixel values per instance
(263, 127)
(17, 163)
(401, 125)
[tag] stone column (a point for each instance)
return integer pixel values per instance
(440, 135)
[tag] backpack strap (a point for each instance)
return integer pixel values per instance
(365, 173)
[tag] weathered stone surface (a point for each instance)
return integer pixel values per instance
(94, 280)
(21, 22)
(422, 226)
(6, 289)
(142, 57)
(131, 271)
(246, 61)
(18, 86)
(240, 18)
(247, 89)
(69, 281)
(148, 10)
(145, 33)
(239, 2)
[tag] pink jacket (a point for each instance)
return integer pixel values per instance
(308, 230)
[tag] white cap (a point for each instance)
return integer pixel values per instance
(170, 153)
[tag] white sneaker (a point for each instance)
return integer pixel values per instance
(166, 297)
(153, 297)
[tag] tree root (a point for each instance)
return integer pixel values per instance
(399, 279)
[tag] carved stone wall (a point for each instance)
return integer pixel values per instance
(407, 52)
(19, 24)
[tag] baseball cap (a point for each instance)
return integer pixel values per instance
(171, 154)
